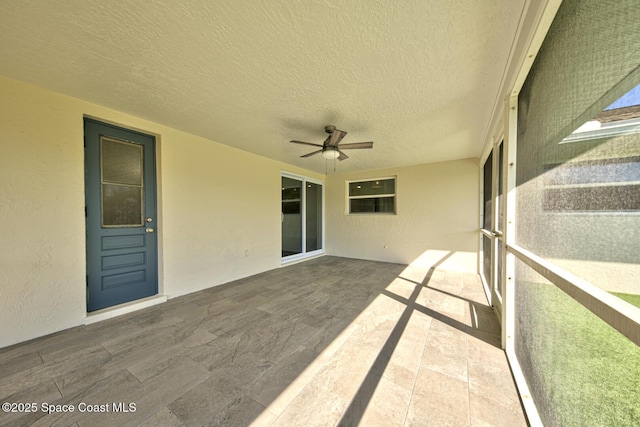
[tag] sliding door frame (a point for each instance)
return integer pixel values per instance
(303, 213)
(494, 284)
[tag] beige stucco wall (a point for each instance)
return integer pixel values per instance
(602, 248)
(437, 217)
(219, 210)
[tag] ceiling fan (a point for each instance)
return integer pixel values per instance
(330, 149)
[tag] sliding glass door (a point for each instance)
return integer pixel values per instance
(313, 217)
(491, 228)
(291, 217)
(302, 217)
(486, 236)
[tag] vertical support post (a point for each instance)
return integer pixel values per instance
(495, 298)
(509, 222)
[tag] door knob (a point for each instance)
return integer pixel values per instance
(150, 230)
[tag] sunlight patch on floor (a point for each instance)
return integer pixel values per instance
(327, 386)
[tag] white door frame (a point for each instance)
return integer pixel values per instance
(304, 254)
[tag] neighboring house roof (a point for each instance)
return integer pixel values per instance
(625, 113)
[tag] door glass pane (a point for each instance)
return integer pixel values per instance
(121, 205)
(121, 162)
(486, 259)
(499, 198)
(314, 217)
(487, 172)
(487, 218)
(499, 267)
(122, 183)
(291, 216)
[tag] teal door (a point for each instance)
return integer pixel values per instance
(120, 194)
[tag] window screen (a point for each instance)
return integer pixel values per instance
(577, 207)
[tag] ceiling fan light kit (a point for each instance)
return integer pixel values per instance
(330, 149)
(330, 153)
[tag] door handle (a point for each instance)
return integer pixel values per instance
(150, 230)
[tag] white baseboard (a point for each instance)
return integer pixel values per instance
(119, 310)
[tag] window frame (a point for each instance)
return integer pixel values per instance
(394, 195)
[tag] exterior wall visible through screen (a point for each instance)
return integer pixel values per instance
(586, 211)
(578, 213)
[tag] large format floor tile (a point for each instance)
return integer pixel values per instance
(330, 341)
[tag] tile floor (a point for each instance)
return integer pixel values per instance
(330, 341)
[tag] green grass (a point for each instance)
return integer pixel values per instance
(630, 298)
(587, 373)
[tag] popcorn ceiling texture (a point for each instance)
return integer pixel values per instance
(417, 77)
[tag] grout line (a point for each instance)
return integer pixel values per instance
(318, 370)
(311, 294)
(136, 377)
(415, 379)
(58, 387)
(466, 345)
(473, 322)
(106, 349)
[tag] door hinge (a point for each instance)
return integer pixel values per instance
(85, 211)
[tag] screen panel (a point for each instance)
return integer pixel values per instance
(579, 370)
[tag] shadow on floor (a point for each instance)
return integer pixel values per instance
(239, 353)
(353, 415)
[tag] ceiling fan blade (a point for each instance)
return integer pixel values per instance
(306, 143)
(342, 156)
(312, 153)
(336, 137)
(357, 145)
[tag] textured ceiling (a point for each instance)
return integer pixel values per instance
(418, 77)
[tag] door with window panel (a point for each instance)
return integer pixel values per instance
(120, 194)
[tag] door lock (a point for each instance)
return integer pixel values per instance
(148, 219)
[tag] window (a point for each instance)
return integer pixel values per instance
(374, 196)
